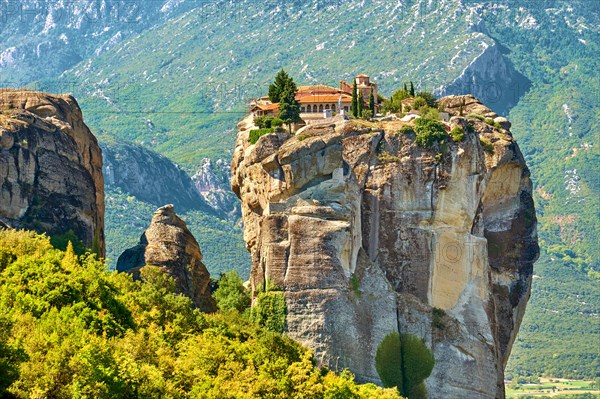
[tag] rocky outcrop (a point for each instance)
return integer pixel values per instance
(492, 77)
(212, 181)
(50, 167)
(150, 177)
(168, 244)
(367, 234)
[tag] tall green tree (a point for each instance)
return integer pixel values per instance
(412, 89)
(405, 88)
(394, 103)
(231, 293)
(289, 107)
(282, 79)
(361, 104)
(404, 361)
(372, 102)
(354, 99)
(388, 361)
(429, 98)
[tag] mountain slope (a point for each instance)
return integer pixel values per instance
(183, 82)
(42, 38)
(210, 65)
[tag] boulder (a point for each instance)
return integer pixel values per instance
(169, 245)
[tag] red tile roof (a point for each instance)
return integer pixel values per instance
(322, 98)
(267, 107)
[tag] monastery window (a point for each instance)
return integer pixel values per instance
(321, 108)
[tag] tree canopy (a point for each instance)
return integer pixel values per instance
(71, 329)
(404, 361)
(282, 80)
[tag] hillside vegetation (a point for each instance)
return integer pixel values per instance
(71, 329)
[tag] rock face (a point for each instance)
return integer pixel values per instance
(492, 77)
(50, 167)
(169, 245)
(212, 181)
(150, 177)
(368, 234)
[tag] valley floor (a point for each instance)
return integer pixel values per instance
(552, 387)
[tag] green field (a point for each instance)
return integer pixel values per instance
(554, 388)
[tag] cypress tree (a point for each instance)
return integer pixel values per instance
(354, 99)
(404, 361)
(412, 89)
(372, 102)
(289, 107)
(282, 79)
(405, 88)
(361, 104)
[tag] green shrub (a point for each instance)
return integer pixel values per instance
(394, 103)
(388, 362)
(470, 127)
(430, 113)
(476, 116)
(270, 311)
(258, 133)
(267, 122)
(404, 361)
(486, 145)
(429, 98)
(406, 130)
(429, 132)
(492, 122)
(417, 361)
(260, 122)
(276, 122)
(419, 103)
(457, 134)
(61, 241)
(385, 157)
(355, 285)
(437, 318)
(230, 293)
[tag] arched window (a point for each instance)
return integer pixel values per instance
(327, 106)
(321, 108)
(302, 109)
(309, 108)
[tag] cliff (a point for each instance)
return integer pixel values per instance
(168, 244)
(150, 177)
(212, 181)
(50, 167)
(367, 234)
(492, 77)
